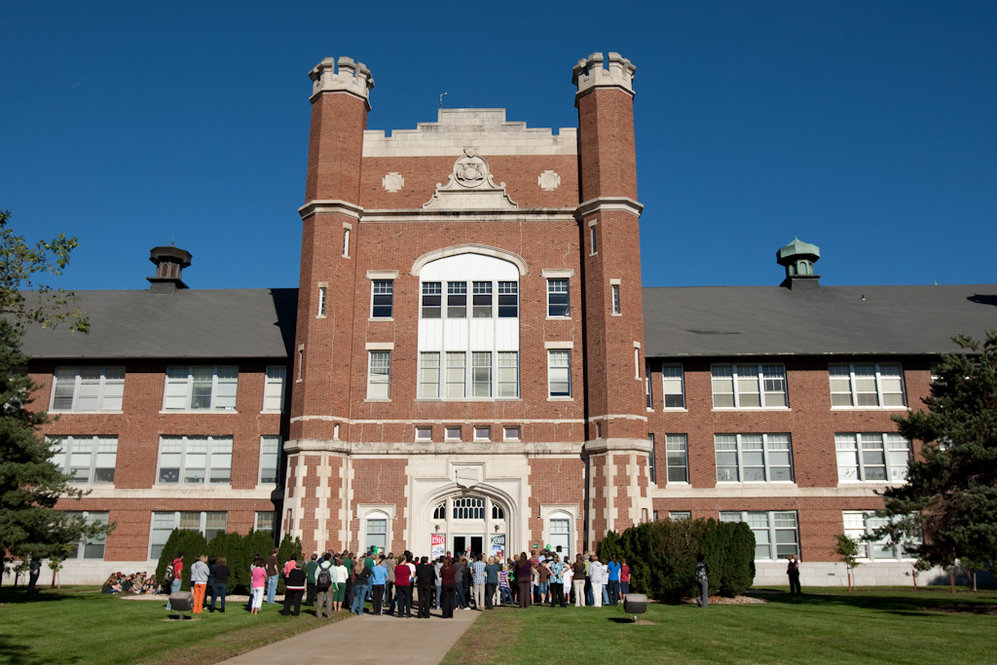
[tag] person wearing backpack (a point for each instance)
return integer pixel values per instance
(324, 591)
(173, 577)
(703, 581)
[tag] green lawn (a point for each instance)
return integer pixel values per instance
(873, 626)
(80, 626)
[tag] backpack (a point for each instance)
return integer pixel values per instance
(324, 579)
(169, 575)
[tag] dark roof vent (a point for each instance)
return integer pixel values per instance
(170, 262)
(799, 257)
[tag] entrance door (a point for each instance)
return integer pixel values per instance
(462, 543)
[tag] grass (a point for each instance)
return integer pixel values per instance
(79, 626)
(832, 627)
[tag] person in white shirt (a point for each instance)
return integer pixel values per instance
(598, 575)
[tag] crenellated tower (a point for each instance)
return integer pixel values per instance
(322, 363)
(616, 446)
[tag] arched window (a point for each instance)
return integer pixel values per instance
(497, 512)
(441, 511)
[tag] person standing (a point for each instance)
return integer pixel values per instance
(703, 580)
(491, 582)
(273, 570)
(324, 591)
(220, 583)
(403, 587)
(389, 587)
(295, 580)
(378, 580)
(311, 570)
(461, 587)
(478, 580)
(557, 582)
(174, 576)
(505, 589)
(524, 574)
(613, 568)
(34, 571)
(579, 581)
(425, 579)
(361, 580)
(624, 579)
(793, 570)
(340, 576)
(448, 578)
(257, 582)
(597, 575)
(199, 580)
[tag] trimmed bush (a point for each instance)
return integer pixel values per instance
(191, 543)
(662, 556)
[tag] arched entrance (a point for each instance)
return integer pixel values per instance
(470, 524)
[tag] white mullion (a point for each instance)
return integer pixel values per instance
(879, 396)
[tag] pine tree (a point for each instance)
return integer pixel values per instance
(30, 483)
(950, 499)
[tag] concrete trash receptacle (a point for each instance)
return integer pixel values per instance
(635, 603)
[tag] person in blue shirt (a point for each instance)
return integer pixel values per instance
(614, 580)
(378, 578)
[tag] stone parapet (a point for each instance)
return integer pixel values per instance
(591, 72)
(352, 77)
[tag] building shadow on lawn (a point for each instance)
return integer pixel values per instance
(919, 605)
(11, 596)
(18, 653)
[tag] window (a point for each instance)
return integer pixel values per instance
(379, 375)
(468, 508)
(452, 433)
(749, 386)
(429, 374)
(482, 433)
(497, 512)
(201, 388)
(593, 248)
(381, 298)
(508, 374)
(866, 385)
(432, 294)
(269, 460)
(673, 386)
(424, 433)
(88, 388)
(195, 460)
(652, 469)
(321, 302)
(557, 297)
(482, 300)
(862, 523)
(677, 458)
(456, 300)
(776, 532)
(376, 532)
(559, 372)
(208, 524)
(346, 240)
(511, 433)
(615, 288)
(456, 374)
(508, 299)
(273, 390)
(90, 548)
(441, 511)
(872, 456)
(90, 460)
(750, 458)
(676, 515)
(559, 535)
(263, 521)
(481, 374)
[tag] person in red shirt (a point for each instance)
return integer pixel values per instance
(177, 565)
(624, 579)
(403, 587)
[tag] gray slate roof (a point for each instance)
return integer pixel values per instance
(758, 320)
(229, 323)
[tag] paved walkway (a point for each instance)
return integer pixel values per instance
(366, 640)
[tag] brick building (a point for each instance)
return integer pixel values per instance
(470, 362)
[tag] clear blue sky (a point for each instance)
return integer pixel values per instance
(867, 128)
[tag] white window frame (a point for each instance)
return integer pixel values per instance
(270, 447)
(558, 372)
(508, 297)
(767, 524)
(453, 433)
(853, 450)
(260, 521)
(677, 458)
(858, 524)
(512, 433)
(672, 377)
(482, 433)
(482, 374)
(374, 519)
(758, 376)
(347, 228)
(838, 372)
(455, 374)
(616, 304)
(71, 451)
(424, 433)
(273, 389)
(174, 517)
(652, 465)
(180, 383)
(80, 551)
(593, 240)
(378, 374)
(106, 386)
(744, 446)
(382, 295)
(457, 300)
(322, 292)
(216, 449)
(676, 515)
(558, 289)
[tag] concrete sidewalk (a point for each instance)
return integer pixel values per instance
(366, 640)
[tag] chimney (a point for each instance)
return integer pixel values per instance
(799, 257)
(170, 262)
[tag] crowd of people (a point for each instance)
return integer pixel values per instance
(136, 584)
(410, 586)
